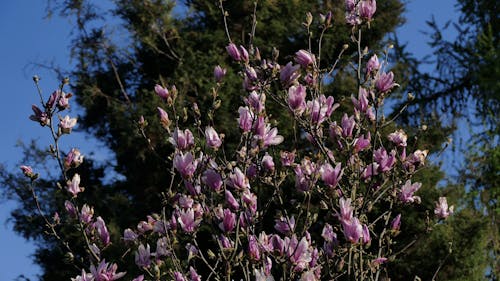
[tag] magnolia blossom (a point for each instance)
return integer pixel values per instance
(348, 124)
(298, 252)
(129, 235)
(66, 124)
(399, 138)
(102, 230)
(289, 74)
(213, 139)
(164, 120)
(373, 65)
(321, 108)
(396, 223)
(73, 186)
(70, 208)
(73, 159)
(244, 54)
(187, 220)
(233, 51)
(297, 99)
(86, 213)
(228, 221)
(346, 210)
(385, 82)
(193, 274)
(212, 179)
(285, 225)
(362, 142)
(143, 256)
(219, 73)
(185, 164)
(267, 162)
(238, 180)
(83, 277)
(256, 101)
(328, 233)
(304, 58)
(442, 211)
(162, 92)
(40, 116)
(367, 8)
(182, 140)
(407, 190)
(106, 272)
(287, 158)
(331, 176)
(353, 230)
(253, 248)
(246, 119)
(231, 201)
(384, 160)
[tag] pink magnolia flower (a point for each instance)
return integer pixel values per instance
(129, 235)
(348, 124)
(164, 120)
(287, 158)
(213, 139)
(361, 103)
(289, 74)
(362, 142)
(73, 186)
(66, 124)
(331, 176)
(212, 179)
(40, 116)
(269, 137)
(219, 73)
(28, 172)
(385, 82)
(106, 272)
(86, 213)
(399, 138)
(185, 164)
(187, 220)
(233, 51)
(328, 233)
(353, 230)
(379, 261)
(102, 231)
(143, 256)
(139, 278)
(285, 225)
(83, 277)
(250, 200)
(228, 221)
(321, 108)
(350, 5)
(162, 92)
(373, 65)
(70, 208)
(384, 160)
(267, 162)
(298, 252)
(396, 223)
(63, 101)
(297, 99)
(179, 276)
(304, 58)
(256, 101)
(253, 248)
(244, 54)
(231, 201)
(225, 242)
(407, 190)
(238, 180)
(182, 140)
(346, 210)
(246, 119)
(193, 274)
(366, 235)
(442, 211)
(370, 171)
(367, 8)
(73, 159)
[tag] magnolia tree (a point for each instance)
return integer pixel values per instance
(318, 208)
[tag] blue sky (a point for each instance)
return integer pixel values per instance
(28, 38)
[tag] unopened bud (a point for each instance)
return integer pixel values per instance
(36, 78)
(345, 46)
(309, 18)
(65, 81)
(411, 97)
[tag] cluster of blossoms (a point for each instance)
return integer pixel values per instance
(216, 222)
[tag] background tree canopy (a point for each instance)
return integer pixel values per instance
(117, 69)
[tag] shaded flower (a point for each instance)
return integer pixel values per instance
(367, 8)
(331, 176)
(238, 180)
(396, 223)
(442, 211)
(289, 74)
(233, 51)
(143, 256)
(267, 162)
(231, 201)
(228, 221)
(187, 220)
(297, 99)
(73, 159)
(162, 92)
(164, 120)
(219, 73)
(399, 138)
(106, 272)
(353, 230)
(40, 116)
(182, 140)
(185, 164)
(212, 179)
(285, 225)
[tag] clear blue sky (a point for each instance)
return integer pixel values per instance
(29, 38)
